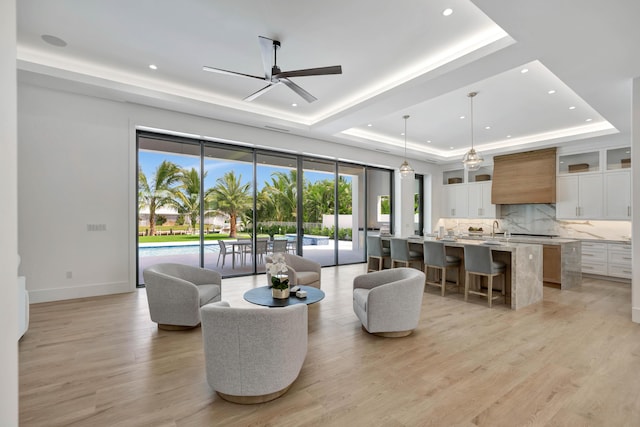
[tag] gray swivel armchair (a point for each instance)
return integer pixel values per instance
(253, 355)
(388, 302)
(175, 293)
(301, 271)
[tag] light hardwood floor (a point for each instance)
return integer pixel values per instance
(572, 360)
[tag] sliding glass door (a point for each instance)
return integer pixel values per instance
(227, 207)
(168, 202)
(276, 205)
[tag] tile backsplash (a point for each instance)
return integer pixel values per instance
(541, 219)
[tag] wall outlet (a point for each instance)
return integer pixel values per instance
(96, 227)
(69, 274)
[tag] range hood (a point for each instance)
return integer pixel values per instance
(523, 178)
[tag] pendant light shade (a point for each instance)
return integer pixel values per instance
(405, 167)
(472, 159)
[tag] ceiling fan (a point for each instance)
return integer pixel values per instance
(274, 76)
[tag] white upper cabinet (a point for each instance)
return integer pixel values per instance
(480, 200)
(455, 201)
(579, 197)
(594, 185)
(617, 193)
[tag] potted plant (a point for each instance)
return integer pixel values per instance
(279, 281)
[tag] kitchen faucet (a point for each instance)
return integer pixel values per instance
(493, 228)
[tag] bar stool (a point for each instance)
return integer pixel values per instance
(376, 252)
(435, 256)
(478, 260)
(400, 253)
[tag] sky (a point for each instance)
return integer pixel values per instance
(149, 161)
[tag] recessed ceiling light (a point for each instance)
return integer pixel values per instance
(153, 66)
(524, 70)
(450, 148)
(402, 134)
(369, 125)
(588, 120)
(461, 117)
(428, 141)
(627, 152)
(508, 136)
(447, 12)
(551, 92)
(294, 105)
(53, 40)
(487, 127)
(572, 108)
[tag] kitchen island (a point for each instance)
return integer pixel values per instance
(562, 259)
(523, 267)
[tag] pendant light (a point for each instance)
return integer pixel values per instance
(405, 168)
(472, 159)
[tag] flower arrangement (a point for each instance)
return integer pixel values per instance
(276, 269)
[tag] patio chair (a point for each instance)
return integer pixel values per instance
(224, 251)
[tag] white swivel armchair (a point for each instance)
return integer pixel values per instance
(253, 355)
(301, 271)
(175, 293)
(388, 302)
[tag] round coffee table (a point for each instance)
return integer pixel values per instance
(262, 296)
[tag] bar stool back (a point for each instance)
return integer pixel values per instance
(400, 253)
(478, 260)
(435, 256)
(376, 252)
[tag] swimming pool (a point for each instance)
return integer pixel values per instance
(177, 250)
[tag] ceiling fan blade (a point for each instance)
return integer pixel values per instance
(297, 89)
(262, 91)
(321, 71)
(229, 73)
(266, 50)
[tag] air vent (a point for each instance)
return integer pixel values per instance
(382, 151)
(276, 129)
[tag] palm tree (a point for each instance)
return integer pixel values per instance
(188, 195)
(282, 193)
(230, 197)
(159, 192)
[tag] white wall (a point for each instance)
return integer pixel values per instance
(635, 226)
(8, 219)
(77, 167)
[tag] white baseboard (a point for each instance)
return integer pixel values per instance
(85, 291)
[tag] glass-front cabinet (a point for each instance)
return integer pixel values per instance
(580, 162)
(618, 158)
(453, 177)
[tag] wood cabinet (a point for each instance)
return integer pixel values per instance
(480, 205)
(528, 177)
(617, 194)
(552, 265)
(580, 197)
